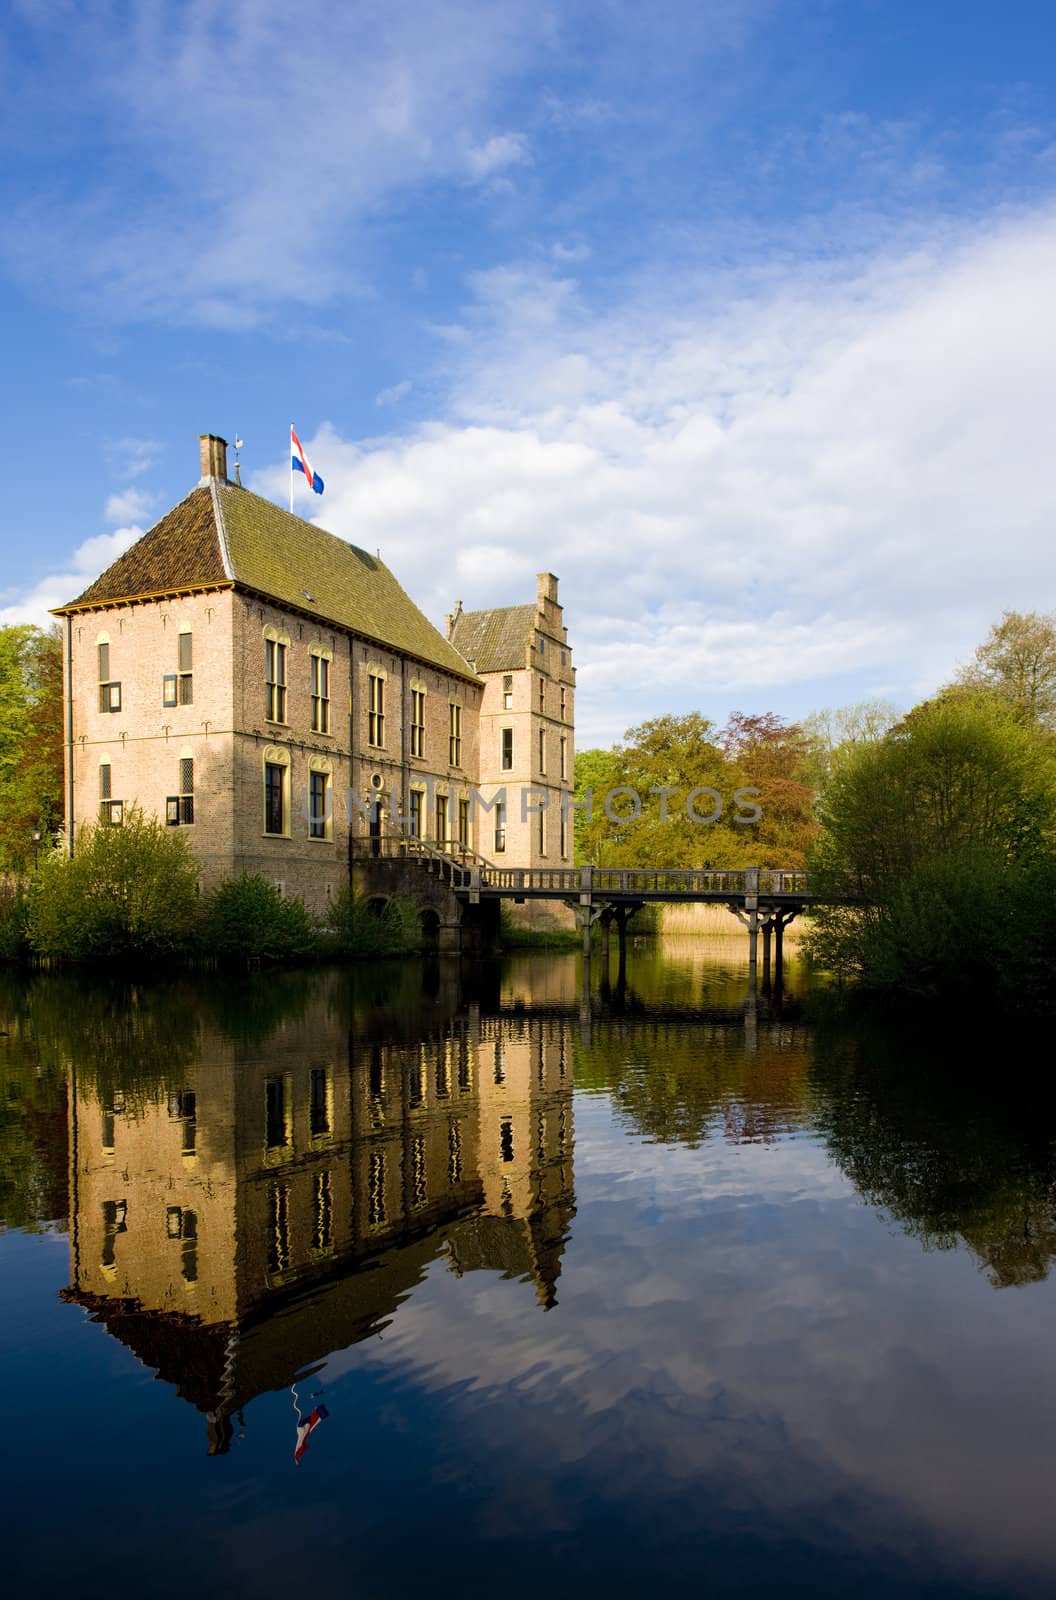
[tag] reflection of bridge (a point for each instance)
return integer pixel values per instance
(764, 899)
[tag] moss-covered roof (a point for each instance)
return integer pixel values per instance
(223, 534)
(495, 641)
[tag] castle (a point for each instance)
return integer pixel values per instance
(249, 677)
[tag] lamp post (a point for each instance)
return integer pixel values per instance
(36, 846)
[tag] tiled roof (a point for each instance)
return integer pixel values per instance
(225, 534)
(182, 551)
(494, 641)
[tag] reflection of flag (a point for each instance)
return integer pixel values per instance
(304, 1430)
(299, 462)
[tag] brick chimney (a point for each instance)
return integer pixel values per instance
(214, 456)
(547, 588)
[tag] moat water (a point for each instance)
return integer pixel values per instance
(411, 1280)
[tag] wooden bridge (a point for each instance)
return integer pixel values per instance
(764, 899)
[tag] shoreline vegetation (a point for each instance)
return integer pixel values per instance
(943, 820)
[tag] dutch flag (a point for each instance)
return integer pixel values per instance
(305, 1430)
(300, 462)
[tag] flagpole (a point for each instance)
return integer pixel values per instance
(291, 469)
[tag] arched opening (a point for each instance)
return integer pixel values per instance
(429, 922)
(376, 905)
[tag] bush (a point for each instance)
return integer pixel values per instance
(14, 926)
(945, 832)
(129, 891)
(247, 919)
(364, 927)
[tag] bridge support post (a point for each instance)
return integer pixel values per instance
(768, 928)
(751, 905)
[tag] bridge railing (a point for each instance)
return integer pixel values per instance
(678, 882)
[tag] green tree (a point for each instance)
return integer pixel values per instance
(835, 732)
(31, 772)
(945, 831)
(1018, 660)
(130, 891)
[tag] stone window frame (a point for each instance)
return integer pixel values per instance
(323, 767)
(416, 813)
(276, 756)
(317, 681)
(456, 707)
(376, 713)
(418, 693)
(276, 690)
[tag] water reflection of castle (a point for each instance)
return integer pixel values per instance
(221, 1231)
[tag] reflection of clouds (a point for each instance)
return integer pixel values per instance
(737, 1334)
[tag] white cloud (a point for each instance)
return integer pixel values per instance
(768, 493)
(87, 562)
(502, 150)
(392, 395)
(132, 457)
(129, 505)
(266, 149)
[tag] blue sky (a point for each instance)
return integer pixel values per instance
(738, 316)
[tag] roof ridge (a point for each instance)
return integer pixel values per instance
(221, 531)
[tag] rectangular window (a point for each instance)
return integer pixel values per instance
(322, 1212)
(507, 749)
(463, 823)
(169, 691)
(179, 809)
(542, 697)
(320, 683)
(376, 1189)
(415, 819)
(104, 780)
(455, 752)
(275, 1132)
(500, 827)
(454, 1151)
(113, 812)
(274, 798)
(279, 1232)
(376, 711)
(542, 645)
(562, 705)
(319, 1102)
(542, 833)
(564, 756)
(542, 751)
(109, 694)
(184, 662)
(507, 692)
(187, 788)
(104, 663)
(189, 1247)
(317, 805)
(275, 680)
(441, 818)
(564, 834)
(418, 722)
(419, 1191)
